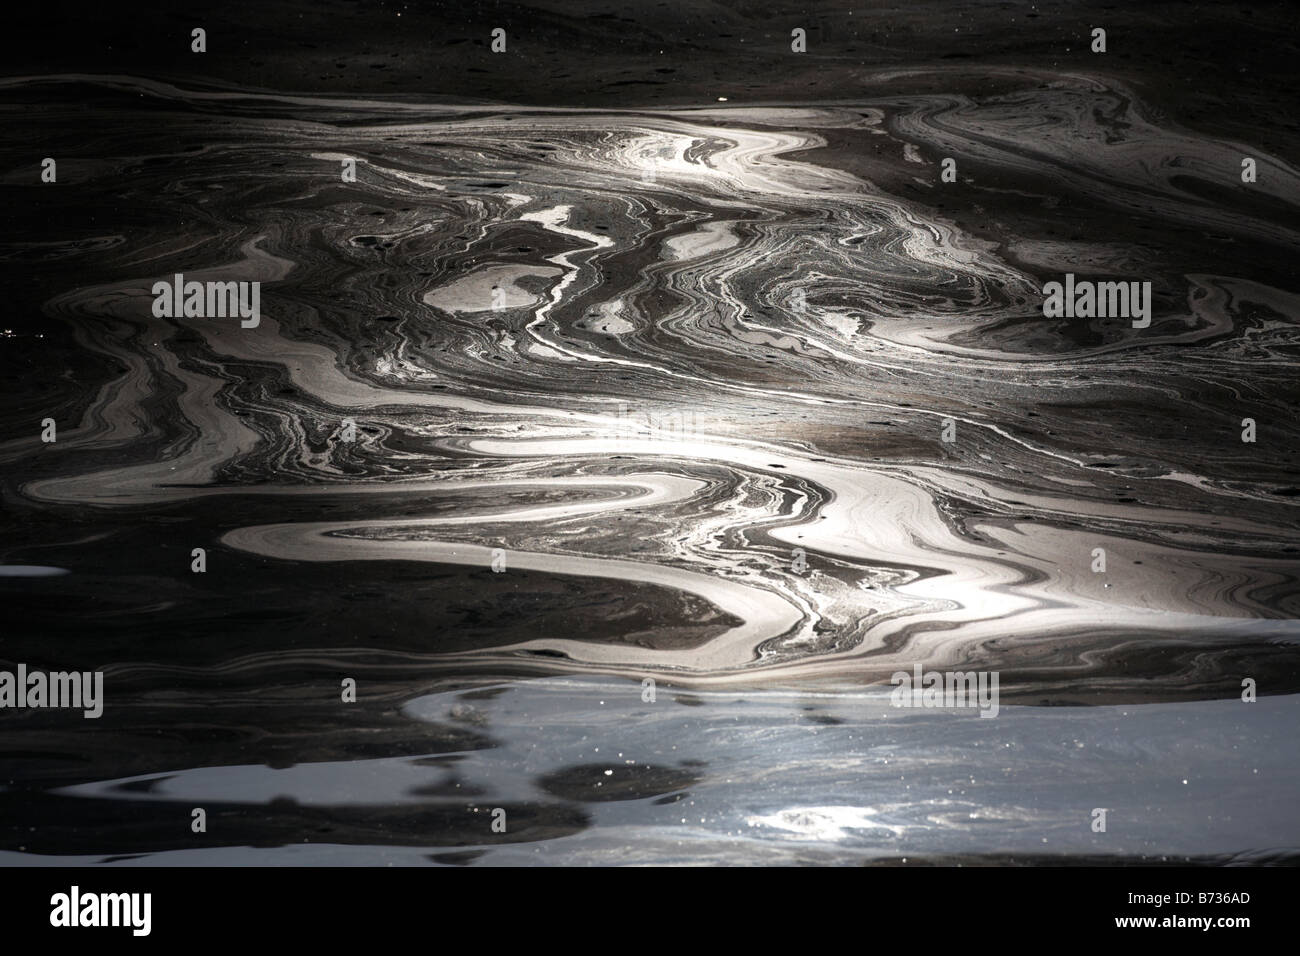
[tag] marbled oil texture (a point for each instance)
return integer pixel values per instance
(648, 355)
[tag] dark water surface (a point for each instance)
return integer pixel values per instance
(685, 373)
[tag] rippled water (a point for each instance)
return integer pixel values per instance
(684, 375)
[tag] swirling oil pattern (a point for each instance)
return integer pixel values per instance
(618, 456)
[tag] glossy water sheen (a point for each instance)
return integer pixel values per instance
(648, 428)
